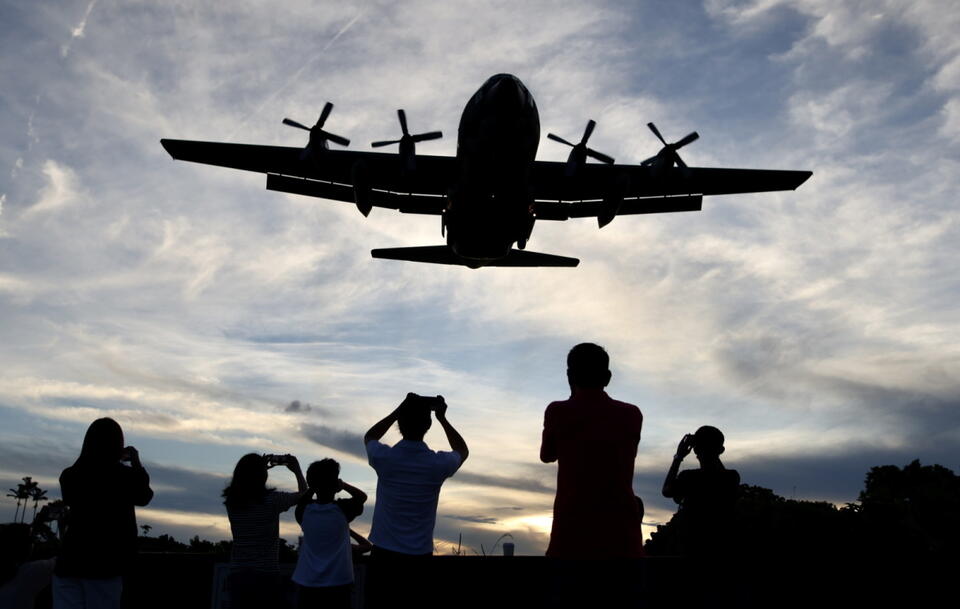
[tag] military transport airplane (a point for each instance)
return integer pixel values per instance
(492, 192)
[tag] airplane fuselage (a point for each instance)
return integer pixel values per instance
(490, 207)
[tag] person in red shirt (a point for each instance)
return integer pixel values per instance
(594, 440)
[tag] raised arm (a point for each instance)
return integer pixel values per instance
(381, 427)
(142, 493)
(683, 449)
(294, 466)
(353, 491)
(457, 443)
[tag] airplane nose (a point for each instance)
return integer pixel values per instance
(505, 95)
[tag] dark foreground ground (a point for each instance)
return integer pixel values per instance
(184, 580)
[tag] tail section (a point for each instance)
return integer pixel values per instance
(442, 254)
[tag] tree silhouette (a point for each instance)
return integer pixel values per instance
(24, 492)
(146, 529)
(16, 494)
(920, 504)
(37, 495)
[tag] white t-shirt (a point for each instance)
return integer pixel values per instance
(409, 476)
(325, 557)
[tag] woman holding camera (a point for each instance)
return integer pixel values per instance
(100, 540)
(254, 513)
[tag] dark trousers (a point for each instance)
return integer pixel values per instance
(329, 597)
(255, 589)
(398, 580)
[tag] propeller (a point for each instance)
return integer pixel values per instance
(578, 156)
(408, 142)
(669, 151)
(318, 137)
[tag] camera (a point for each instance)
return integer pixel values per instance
(274, 460)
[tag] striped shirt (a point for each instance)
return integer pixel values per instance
(256, 532)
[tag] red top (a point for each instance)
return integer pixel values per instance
(595, 514)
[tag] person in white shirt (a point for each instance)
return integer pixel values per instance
(324, 571)
(409, 477)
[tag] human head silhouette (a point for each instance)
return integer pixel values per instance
(414, 417)
(323, 477)
(249, 482)
(588, 367)
(103, 442)
(708, 442)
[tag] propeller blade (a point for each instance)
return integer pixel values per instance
(337, 139)
(423, 137)
(294, 123)
(403, 121)
(657, 133)
(384, 143)
(649, 161)
(586, 132)
(603, 158)
(324, 114)
(557, 138)
(689, 138)
(679, 161)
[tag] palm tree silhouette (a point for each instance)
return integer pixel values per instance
(22, 492)
(28, 489)
(146, 529)
(17, 494)
(37, 495)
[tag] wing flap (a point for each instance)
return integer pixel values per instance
(552, 210)
(407, 203)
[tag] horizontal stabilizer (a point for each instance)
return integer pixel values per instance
(442, 254)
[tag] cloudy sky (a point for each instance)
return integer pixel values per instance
(210, 317)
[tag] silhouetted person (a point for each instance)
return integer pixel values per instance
(594, 440)
(707, 496)
(101, 489)
(254, 513)
(324, 569)
(24, 583)
(409, 477)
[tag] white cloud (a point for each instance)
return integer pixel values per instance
(951, 119)
(62, 189)
(839, 113)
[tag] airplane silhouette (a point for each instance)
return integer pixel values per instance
(492, 192)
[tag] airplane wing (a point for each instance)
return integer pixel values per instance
(376, 179)
(605, 191)
(333, 174)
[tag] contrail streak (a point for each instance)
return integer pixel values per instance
(296, 75)
(78, 31)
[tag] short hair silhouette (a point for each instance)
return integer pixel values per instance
(414, 418)
(103, 442)
(708, 440)
(588, 365)
(249, 482)
(323, 476)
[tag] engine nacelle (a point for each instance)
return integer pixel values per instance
(613, 200)
(361, 188)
